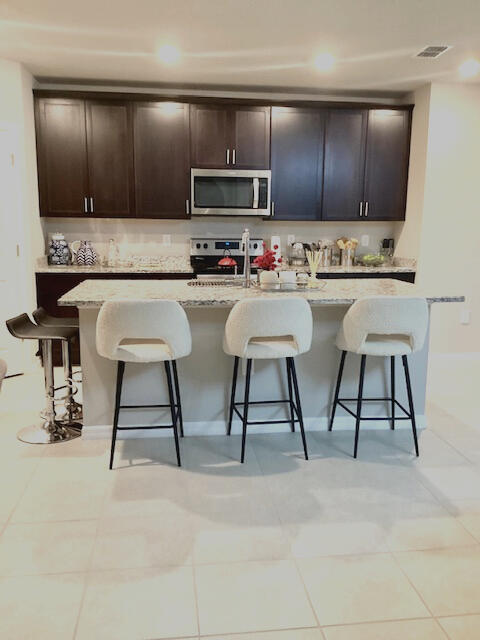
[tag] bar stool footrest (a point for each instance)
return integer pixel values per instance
(407, 415)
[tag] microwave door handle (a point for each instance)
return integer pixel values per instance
(256, 185)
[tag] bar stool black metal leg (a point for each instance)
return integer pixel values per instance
(392, 377)
(290, 396)
(337, 389)
(245, 407)
(410, 403)
(299, 405)
(359, 404)
(172, 409)
(118, 395)
(232, 396)
(177, 393)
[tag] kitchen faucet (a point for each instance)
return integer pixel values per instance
(246, 258)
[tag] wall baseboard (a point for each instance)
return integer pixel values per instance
(218, 428)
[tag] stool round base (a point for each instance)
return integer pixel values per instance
(37, 434)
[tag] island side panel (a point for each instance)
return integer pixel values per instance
(205, 378)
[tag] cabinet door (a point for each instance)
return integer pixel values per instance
(110, 159)
(162, 159)
(297, 163)
(388, 144)
(251, 138)
(210, 136)
(345, 135)
(62, 156)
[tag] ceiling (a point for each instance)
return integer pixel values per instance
(254, 43)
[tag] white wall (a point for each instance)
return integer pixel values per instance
(16, 115)
(449, 256)
(442, 226)
(407, 237)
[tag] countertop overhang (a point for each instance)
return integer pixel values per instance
(93, 293)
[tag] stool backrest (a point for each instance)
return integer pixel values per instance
(269, 318)
(386, 315)
(143, 319)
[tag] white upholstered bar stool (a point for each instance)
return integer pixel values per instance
(381, 326)
(265, 328)
(145, 331)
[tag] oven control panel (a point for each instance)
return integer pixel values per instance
(221, 246)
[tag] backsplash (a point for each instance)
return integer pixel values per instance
(146, 237)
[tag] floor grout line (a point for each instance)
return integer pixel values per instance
(272, 500)
(89, 563)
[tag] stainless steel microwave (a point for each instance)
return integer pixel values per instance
(230, 192)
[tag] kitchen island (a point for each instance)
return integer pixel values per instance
(205, 375)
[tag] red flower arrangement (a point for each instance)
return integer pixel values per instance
(268, 260)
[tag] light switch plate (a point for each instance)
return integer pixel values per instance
(365, 240)
(465, 316)
(166, 239)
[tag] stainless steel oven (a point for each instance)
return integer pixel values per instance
(229, 192)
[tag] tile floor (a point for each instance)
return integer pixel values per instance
(383, 548)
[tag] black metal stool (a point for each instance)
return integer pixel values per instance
(359, 400)
(74, 409)
(294, 405)
(50, 430)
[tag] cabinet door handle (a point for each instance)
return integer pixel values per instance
(361, 209)
(187, 207)
(228, 156)
(91, 206)
(273, 208)
(85, 205)
(233, 156)
(366, 208)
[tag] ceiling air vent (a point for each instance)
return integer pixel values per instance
(432, 51)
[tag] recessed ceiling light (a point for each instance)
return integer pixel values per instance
(324, 62)
(168, 54)
(469, 68)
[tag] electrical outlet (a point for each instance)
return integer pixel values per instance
(166, 239)
(365, 240)
(290, 238)
(465, 316)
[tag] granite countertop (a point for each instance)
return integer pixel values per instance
(166, 264)
(92, 293)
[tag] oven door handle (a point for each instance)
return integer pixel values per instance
(256, 188)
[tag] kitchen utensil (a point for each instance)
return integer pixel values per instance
(313, 258)
(326, 256)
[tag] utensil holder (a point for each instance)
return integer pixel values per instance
(347, 257)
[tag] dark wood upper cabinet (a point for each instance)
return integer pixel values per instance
(127, 155)
(250, 145)
(62, 156)
(386, 168)
(210, 136)
(110, 158)
(162, 159)
(230, 137)
(297, 163)
(345, 136)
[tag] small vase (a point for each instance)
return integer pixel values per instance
(86, 255)
(58, 251)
